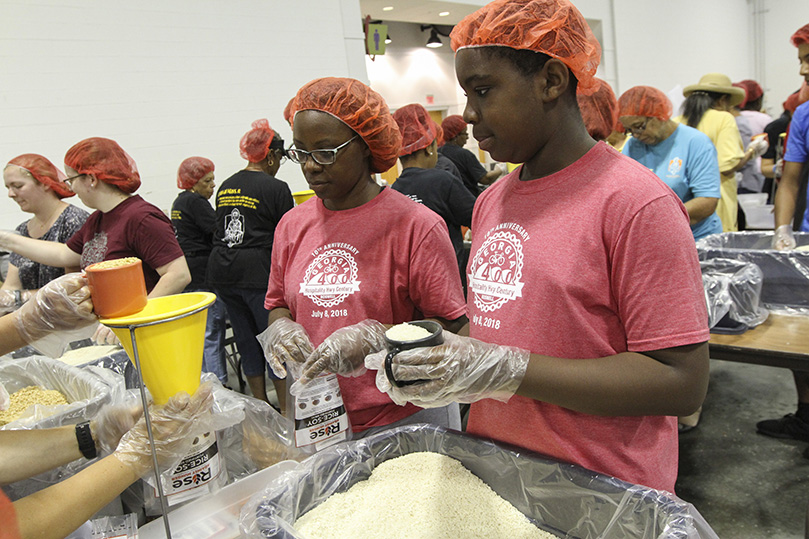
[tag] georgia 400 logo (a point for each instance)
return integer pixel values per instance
(330, 278)
(496, 271)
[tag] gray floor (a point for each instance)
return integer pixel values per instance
(745, 485)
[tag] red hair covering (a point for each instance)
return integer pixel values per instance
(753, 89)
(453, 126)
(288, 111)
(645, 101)
(746, 95)
(552, 27)
(417, 128)
(801, 36)
(797, 98)
(44, 172)
(439, 139)
(255, 144)
(193, 170)
(599, 110)
(361, 109)
(106, 160)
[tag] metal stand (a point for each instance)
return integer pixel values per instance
(136, 359)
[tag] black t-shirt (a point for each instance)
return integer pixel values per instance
(249, 205)
(773, 130)
(468, 165)
(443, 194)
(194, 220)
(445, 163)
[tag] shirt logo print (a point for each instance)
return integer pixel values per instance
(330, 278)
(495, 272)
(234, 228)
(674, 166)
(94, 250)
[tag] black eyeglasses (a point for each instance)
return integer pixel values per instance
(637, 130)
(69, 181)
(321, 157)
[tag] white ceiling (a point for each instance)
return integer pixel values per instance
(418, 11)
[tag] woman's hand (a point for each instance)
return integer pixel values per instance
(63, 303)
(344, 351)
(460, 370)
(284, 342)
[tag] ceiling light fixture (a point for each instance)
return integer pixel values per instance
(434, 42)
(388, 39)
(443, 14)
(387, 8)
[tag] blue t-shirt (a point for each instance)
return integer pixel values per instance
(798, 147)
(686, 161)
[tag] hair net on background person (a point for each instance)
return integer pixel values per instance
(801, 36)
(746, 94)
(417, 128)
(552, 27)
(439, 137)
(361, 109)
(255, 144)
(106, 160)
(288, 112)
(453, 126)
(645, 101)
(193, 170)
(599, 110)
(753, 89)
(44, 172)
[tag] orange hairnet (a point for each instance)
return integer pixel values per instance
(801, 36)
(417, 128)
(797, 98)
(288, 111)
(255, 144)
(752, 88)
(439, 136)
(746, 94)
(193, 170)
(645, 101)
(552, 27)
(44, 172)
(599, 110)
(453, 126)
(106, 160)
(361, 109)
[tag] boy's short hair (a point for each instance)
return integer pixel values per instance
(528, 63)
(551, 27)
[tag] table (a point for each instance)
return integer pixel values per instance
(780, 341)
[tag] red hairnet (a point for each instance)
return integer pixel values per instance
(439, 137)
(645, 101)
(361, 109)
(599, 110)
(453, 126)
(417, 128)
(753, 89)
(746, 94)
(552, 27)
(193, 170)
(801, 36)
(255, 144)
(288, 111)
(44, 172)
(106, 160)
(797, 98)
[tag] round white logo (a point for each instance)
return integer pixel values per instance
(330, 278)
(496, 271)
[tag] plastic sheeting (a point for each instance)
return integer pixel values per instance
(564, 499)
(733, 288)
(786, 273)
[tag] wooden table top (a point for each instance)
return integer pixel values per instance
(780, 341)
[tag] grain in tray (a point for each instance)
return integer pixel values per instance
(21, 400)
(423, 494)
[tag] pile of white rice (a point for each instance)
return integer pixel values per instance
(424, 495)
(406, 332)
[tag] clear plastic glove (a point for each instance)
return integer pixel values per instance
(783, 239)
(344, 351)
(113, 422)
(778, 171)
(11, 300)
(759, 145)
(285, 341)
(104, 335)
(460, 370)
(174, 427)
(63, 303)
(5, 400)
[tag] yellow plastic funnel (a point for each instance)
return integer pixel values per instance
(170, 336)
(302, 196)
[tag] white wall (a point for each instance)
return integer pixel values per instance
(167, 80)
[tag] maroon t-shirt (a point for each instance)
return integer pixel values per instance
(132, 228)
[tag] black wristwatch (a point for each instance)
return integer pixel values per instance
(87, 445)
